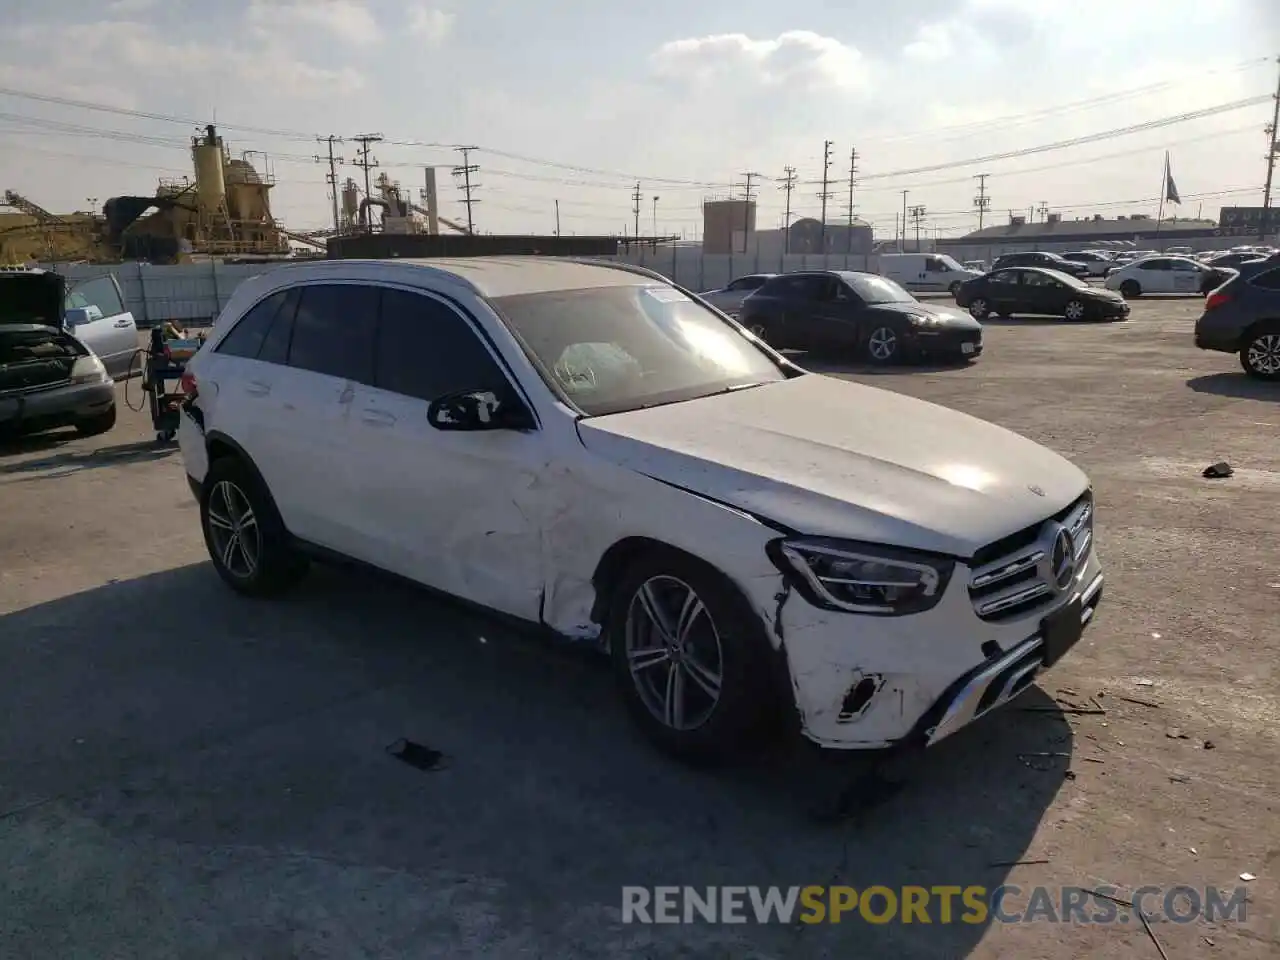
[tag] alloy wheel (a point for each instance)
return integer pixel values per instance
(233, 530)
(978, 309)
(1075, 310)
(1263, 354)
(882, 344)
(674, 653)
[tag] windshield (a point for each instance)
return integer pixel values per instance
(950, 262)
(872, 289)
(1066, 278)
(611, 349)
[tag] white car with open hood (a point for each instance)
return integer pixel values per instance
(587, 447)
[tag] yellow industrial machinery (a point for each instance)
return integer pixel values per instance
(224, 211)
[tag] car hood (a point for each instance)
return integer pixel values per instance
(827, 457)
(31, 297)
(957, 319)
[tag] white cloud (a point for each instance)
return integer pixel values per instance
(430, 24)
(797, 58)
(345, 19)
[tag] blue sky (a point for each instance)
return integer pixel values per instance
(684, 96)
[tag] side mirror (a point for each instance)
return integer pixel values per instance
(479, 410)
(79, 316)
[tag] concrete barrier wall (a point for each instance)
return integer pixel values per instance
(197, 292)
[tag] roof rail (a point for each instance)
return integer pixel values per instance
(615, 265)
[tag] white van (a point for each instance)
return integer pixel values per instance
(925, 271)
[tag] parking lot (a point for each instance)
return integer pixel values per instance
(187, 774)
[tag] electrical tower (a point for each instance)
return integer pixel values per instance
(788, 181)
(636, 196)
(366, 162)
(825, 195)
(746, 207)
(465, 171)
(1273, 152)
(1043, 209)
(917, 216)
(331, 178)
(853, 171)
(982, 201)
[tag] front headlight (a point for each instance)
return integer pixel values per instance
(923, 320)
(863, 578)
(88, 370)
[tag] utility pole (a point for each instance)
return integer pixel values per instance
(746, 208)
(853, 170)
(917, 214)
(635, 207)
(788, 181)
(656, 198)
(1044, 210)
(465, 171)
(1273, 151)
(982, 201)
(903, 246)
(825, 195)
(557, 218)
(331, 178)
(367, 163)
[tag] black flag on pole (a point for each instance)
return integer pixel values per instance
(1170, 188)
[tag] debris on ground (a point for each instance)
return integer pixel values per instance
(1144, 682)
(1140, 703)
(1209, 744)
(1218, 471)
(1015, 863)
(416, 755)
(1246, 877)
(1173, 733)
(1179, 778)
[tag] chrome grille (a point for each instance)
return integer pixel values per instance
(1011, 578)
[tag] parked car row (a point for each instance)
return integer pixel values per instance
(1010, 291)
(60, 346)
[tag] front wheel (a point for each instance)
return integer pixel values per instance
(883, 345)
(979, 309)
(757, 328)
(955, 289)
(1130, 289)
(1075, 310)
(1260, 356)
(690, 656)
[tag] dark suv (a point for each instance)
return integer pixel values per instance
(1041, 258)
(1243, 316)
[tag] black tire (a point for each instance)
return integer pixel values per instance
(1130, 289)
(883, 345)
(1260, 354)
(758, 328)
(955, 289)
(275, 566)
(723, 628)
(96, 426)
(1076, 310)
(979, 308)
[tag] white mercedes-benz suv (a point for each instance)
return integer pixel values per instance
(585, 446)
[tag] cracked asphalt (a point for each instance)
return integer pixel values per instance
(187, 774)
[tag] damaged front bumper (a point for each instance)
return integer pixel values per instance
(868, 683)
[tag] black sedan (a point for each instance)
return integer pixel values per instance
(1033, 290)
(844, 311)
(1044, 259)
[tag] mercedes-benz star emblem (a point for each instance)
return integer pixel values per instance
(1036, 490)
(1062, 559)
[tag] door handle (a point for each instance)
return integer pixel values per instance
(256, 388)
(378, 418)
(122, 323)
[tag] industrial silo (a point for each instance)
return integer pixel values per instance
(350, 201)
(206, 153)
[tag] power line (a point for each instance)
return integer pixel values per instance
(366, 162)
(465, 170)
(788, 181)
(917, 216)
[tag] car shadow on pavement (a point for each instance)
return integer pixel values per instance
(1238, 385)
(224, 763)
(67, 462)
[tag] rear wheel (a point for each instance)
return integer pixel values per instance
(1130, 289)
(97, 425)
(1260, 356)
(883, 346)
(1075, 310)
(690, 656)
(246, 538)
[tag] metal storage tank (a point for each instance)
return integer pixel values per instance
(206, 152)
(727, 225)
(350, 200)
